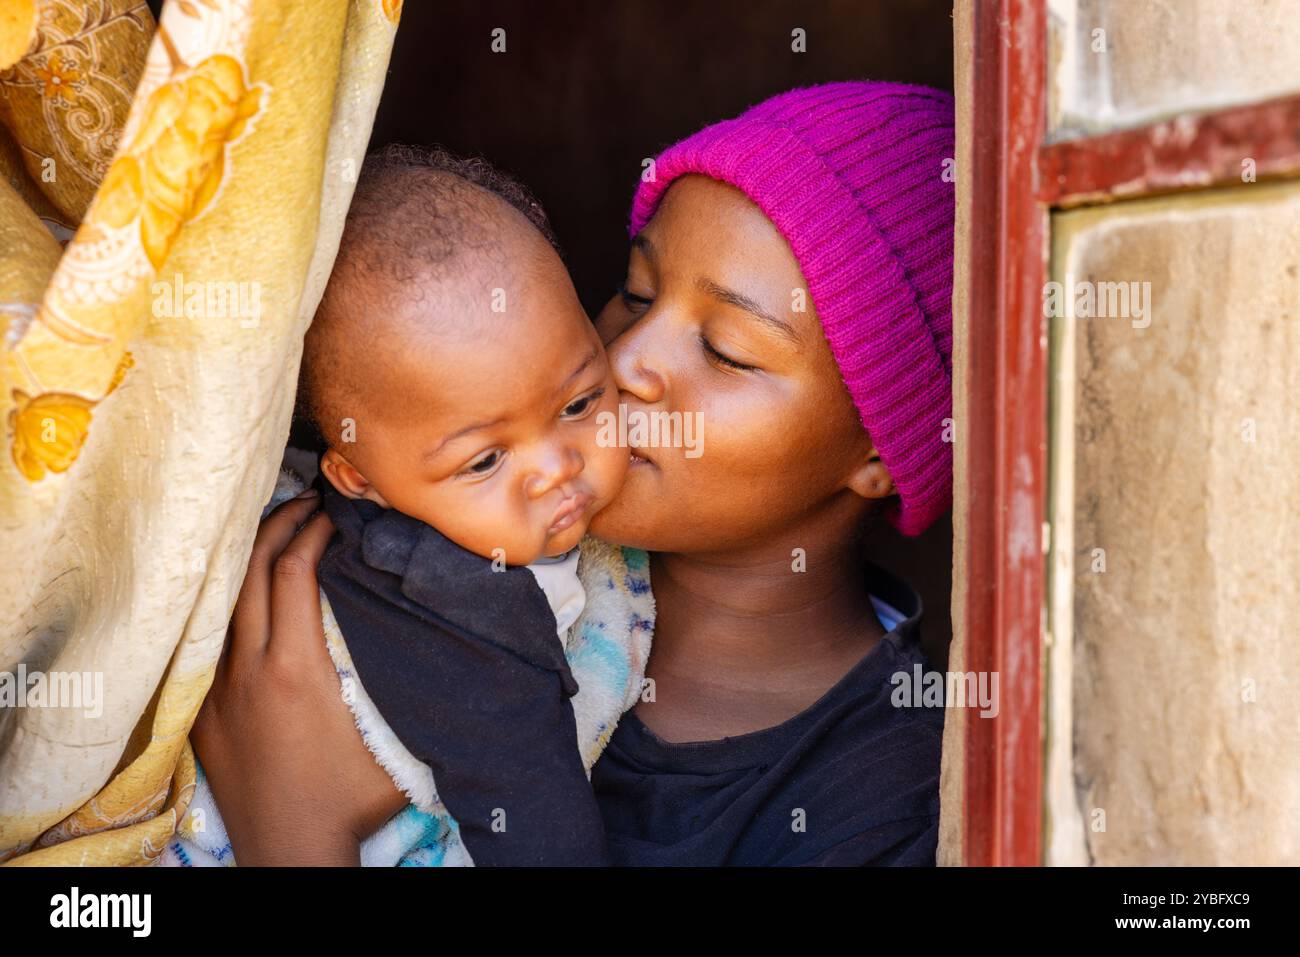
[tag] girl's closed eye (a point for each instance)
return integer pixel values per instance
(633, 301)
(581, 408)
(722, 360)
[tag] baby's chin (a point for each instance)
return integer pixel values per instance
(564, 541)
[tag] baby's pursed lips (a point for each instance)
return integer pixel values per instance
(570, 511)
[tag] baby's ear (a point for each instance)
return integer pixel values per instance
(870, 479)
(344, 477)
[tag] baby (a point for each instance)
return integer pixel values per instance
(459, 387)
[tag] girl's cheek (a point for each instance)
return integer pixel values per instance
(755, 438)
(605, 461)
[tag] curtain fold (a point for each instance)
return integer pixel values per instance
(149, 369)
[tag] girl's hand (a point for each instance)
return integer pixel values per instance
(289, 771)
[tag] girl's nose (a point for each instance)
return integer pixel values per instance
(636, 372)
(556, 466)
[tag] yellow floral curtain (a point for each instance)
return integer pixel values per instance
(148, 369)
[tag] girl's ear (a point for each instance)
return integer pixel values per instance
(344, 477)
(870, 479)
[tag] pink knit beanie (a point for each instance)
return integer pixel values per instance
(852, 174)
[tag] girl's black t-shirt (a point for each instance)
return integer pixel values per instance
(852, 780)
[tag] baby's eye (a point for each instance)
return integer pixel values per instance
(483, 464)
(580, 407)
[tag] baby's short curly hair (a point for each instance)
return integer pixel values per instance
(417, 214)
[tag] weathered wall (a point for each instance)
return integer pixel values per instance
(1174, 494)
(1185, 561)
(1120, 63)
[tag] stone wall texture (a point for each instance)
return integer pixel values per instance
(1119, 63)
(1186, 533)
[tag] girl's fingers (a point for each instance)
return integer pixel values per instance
(251, 621)
(296, 631)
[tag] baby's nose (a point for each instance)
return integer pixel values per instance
(560, 465)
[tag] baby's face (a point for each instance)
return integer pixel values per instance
(488, 430)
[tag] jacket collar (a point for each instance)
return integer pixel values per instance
(459, 589)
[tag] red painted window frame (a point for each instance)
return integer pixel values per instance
(1007, 453)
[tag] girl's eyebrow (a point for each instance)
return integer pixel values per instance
(741, 301)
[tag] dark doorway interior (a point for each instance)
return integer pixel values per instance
(587, 89)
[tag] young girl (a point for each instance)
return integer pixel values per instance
(789, 284)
